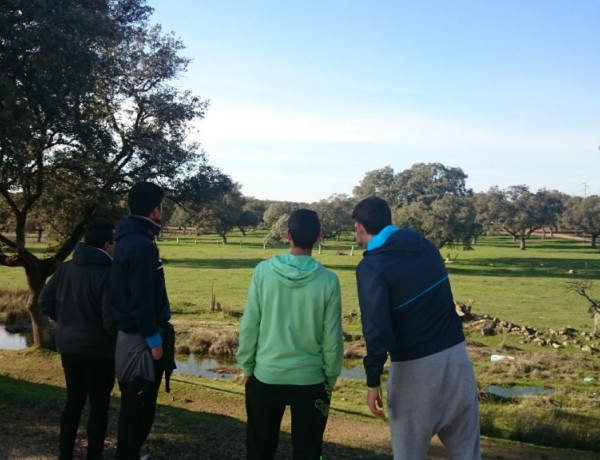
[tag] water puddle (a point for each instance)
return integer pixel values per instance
(208, 367)
(225, 369)
(10, 341)
(517, 392)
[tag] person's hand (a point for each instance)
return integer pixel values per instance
(246, 378)
(328, 389)
(157, 352)
(375, 402)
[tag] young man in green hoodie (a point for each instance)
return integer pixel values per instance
(290, 344)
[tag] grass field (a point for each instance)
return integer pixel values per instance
(496, 278)
(525, 287)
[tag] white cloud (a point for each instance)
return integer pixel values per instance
(377, 127)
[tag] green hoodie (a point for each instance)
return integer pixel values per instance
(291, 332)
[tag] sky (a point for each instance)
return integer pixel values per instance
(308, 96)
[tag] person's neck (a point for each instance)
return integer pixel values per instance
(300, 251)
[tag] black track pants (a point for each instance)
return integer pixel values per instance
(265, 405)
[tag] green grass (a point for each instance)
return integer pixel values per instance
(496, 277)
(526, 287)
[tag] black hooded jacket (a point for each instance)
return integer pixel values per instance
(138, 285)
(77, 297)
(406, 302)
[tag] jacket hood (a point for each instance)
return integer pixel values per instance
(136, 224)
(403, 241)
(89, 255)
(295, 271)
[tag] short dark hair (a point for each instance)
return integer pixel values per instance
(304, 227)
(144, 197)
(98, 232)
(373, 213)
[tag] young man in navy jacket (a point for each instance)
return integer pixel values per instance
(408, 312)
(141, 308)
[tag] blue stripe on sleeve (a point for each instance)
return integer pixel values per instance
(421, 293)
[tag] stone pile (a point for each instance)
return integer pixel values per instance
(566, 337)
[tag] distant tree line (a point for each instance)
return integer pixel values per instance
(431, 198)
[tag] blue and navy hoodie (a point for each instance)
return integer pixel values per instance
(405, 300)
(140, 299)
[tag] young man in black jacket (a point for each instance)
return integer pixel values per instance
(408, 312)
(142, 310)
(77, 297)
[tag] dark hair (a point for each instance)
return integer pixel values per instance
(373, 213)
(144, 197)
(98, 232)
(304, 227)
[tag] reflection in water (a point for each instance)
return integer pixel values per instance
(225, 369)
(514, 392)
(207, 367)
(10, 341)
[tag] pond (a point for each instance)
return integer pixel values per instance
(209, 367)
(228, 368)
(516, 392)
(10, 341)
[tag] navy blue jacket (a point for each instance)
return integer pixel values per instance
(138, 285)
(405, 301)
(77, 297)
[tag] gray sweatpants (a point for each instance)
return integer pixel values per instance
(434, 395)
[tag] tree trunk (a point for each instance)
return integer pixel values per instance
(594, 239)
(223, 237)
(522, 244)
(40, 324)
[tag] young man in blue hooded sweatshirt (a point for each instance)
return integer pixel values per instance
(407, 311)
(291, 345)
(141, 308)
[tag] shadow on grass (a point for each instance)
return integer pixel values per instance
(532, 267)
(213, 264)
(29, 428)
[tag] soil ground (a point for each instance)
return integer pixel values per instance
(199, 419)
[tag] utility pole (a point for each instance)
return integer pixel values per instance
(585, 187)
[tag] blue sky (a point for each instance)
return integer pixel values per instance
(308, 96)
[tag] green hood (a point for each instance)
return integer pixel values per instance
(295, 271)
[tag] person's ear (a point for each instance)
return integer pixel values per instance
(155, 213)
(319, 237)
(108, 246)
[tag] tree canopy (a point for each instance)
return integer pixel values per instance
(87, 108)
(431, 198)
(583, 214)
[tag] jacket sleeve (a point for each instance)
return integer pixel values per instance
(376, 321)
(109, 323)
(47, 298)
(142, 275)
(249, 330)
(333, 339)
